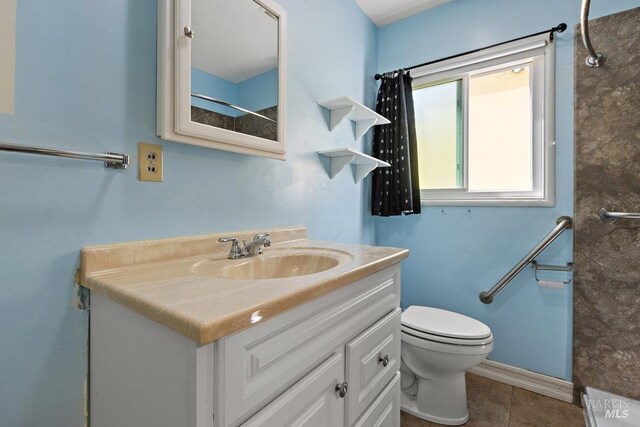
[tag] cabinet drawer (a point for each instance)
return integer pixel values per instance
(385, 410)
(258, 364)
(367, 356)
(312, 401)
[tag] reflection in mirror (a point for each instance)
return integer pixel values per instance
(234, 67)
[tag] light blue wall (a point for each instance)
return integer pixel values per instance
(215, 87)
(260, 91)
(86, 80)
(458, 252)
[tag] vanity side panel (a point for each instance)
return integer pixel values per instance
(142, 373)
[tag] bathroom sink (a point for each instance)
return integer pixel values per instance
(275, 264)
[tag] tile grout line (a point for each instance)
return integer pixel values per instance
(513, 393)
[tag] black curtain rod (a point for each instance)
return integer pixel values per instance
(559, 29)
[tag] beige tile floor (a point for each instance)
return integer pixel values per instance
(494, 404)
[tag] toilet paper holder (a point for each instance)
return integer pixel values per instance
(542, 267)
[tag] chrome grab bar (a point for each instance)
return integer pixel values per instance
(595, 59)
(111, 160)
(563, 223)
(610, 214)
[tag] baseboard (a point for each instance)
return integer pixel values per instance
(528, 380)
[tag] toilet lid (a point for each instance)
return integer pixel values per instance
(444, 323)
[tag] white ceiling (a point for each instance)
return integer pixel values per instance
(383, 12)
(234, 39)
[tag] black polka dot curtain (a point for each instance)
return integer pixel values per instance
(395, 190)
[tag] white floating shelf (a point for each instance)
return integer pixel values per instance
(362, 163)
(345, 107)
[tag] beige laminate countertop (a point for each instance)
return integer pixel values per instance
(156, 279)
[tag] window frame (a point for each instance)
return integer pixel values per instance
(537, 50)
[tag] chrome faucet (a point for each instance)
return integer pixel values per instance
(254, 247)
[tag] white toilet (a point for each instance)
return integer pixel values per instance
(438, 346)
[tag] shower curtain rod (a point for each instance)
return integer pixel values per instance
(559, 29)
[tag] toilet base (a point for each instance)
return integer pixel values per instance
(408, 404)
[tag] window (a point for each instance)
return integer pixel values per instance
(484, 123)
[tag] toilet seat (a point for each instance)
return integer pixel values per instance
(445, 340)
(442, 326)
(451, 349)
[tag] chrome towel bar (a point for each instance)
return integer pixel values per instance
(610, 214)
(111, 160)
(563, 223)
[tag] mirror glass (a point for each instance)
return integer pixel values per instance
(234, 67)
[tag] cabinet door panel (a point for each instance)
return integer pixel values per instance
(373, 358)
(311, 402)
(385, 410)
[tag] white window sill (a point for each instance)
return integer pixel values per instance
(524, 202)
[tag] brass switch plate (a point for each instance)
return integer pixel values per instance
(149, 162)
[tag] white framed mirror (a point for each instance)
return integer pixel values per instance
(222, 75)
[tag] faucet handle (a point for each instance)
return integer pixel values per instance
(264, 237)
(228, 239)
(235, 252)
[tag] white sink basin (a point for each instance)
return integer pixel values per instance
(275, 264)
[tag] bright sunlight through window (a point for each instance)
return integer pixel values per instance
(485, 127)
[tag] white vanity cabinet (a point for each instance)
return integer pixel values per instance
(292, 369)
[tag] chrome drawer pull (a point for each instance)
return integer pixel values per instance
(384, 360)
(342, 389)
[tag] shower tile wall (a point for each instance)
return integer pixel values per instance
(211, 118)
(252, 125)
(607, 255)
(246, 123)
